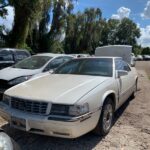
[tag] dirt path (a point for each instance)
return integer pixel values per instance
(131, 130)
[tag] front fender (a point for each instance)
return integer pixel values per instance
(106, 94)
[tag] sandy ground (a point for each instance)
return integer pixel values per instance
(131, 129)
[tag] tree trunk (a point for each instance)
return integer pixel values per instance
(20, 30)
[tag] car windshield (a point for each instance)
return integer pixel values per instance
(34, 62)
(6, 56)
(92, 66)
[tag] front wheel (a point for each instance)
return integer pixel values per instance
(106, 118)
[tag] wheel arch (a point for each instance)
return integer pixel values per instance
(112, 95)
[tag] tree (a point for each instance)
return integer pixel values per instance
(113, 26)
(83, 31)
(27, 12)
(127, 32)
(137, 50)
(3, 13)
(146, 51)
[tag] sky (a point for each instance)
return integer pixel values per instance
(137, 10)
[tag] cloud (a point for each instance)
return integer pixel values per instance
(146, 13)
(144, 40)
(8, 21)
(122, 12)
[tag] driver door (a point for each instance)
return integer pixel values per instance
(125, 82)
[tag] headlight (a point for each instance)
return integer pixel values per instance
(19, 80)
(5, 142)
(65, 110)
(6, 99)
(78, 110)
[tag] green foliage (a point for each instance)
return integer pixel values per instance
(83, 31)
(127, 32)
(56, 47)
(146, 51)
(25, 46)
(26, 15)
(3, 11)
(137, 50)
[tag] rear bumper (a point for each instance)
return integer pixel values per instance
(51, 126)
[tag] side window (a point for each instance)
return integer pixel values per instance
(126, 67)
(66, 58)
(6, 56)
(54, 64)
(121, 65)
(20, 55)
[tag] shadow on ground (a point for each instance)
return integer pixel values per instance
(29, 141)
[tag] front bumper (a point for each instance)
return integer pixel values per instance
(51, 126)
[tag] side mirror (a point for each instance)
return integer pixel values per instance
(121, 73)
(51, 71)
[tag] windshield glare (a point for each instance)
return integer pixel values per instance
(34, 62)
(93, 67)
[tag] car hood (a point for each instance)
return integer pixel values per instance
(12, 73)
(62, 89)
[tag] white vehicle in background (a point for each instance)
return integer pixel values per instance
(146, 57)
(139, 58)
(80, 96)
(29, 67)
(124, 51)
(133, 60)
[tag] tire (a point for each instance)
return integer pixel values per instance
(7, 142)
(106, 119)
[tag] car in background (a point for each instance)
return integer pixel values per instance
(29, 67)
(9, 56)
(146, 57)
(80, 96)
(133, 58)
(139, 58)
(123, 51)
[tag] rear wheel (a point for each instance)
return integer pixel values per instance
(134, 92)
(106, 118)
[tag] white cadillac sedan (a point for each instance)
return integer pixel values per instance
(80, 96)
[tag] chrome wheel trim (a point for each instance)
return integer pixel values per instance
(107, 117)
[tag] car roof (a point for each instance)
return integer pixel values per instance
(13, 49)
(51, 54)
(128, 46)
(99, 57)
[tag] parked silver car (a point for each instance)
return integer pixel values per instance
(9, 56)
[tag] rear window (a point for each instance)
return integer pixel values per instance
(20, 55)
(6, 56)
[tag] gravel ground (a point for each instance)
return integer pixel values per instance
(131, 129)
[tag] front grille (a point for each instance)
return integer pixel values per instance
(4, 84)
(33, 107)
